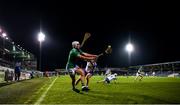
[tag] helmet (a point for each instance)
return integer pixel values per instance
(75, 43)
(115, 74)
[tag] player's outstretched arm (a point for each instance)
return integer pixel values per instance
(89, 55)
(86, 58)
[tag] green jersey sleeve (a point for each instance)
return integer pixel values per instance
(75, 52)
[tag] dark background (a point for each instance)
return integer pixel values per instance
(152, 26)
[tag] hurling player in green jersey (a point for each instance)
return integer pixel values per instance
(72, 67)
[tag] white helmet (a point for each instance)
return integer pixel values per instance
(75, 43)
(115, 74)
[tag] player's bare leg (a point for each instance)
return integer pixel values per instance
(73, 80)
(82, 77)
(78, 80)
(101, 81)
(141, 77)
(88, 76)
(73, 83)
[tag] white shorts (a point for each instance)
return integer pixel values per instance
(72, 71)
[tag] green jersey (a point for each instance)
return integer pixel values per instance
(72, 58)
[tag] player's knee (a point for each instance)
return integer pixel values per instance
(86, 77)
(82, 74)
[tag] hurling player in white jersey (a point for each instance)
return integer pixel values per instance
(89, 70)
(109, 78)
(139, 74)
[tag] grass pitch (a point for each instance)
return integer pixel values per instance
(57, 90)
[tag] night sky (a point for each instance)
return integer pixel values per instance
(153, 28)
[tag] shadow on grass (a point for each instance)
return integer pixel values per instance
(9, 83)
(6, 83)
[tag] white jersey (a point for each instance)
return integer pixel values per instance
(139, 72)
(90, 66)
(111, 77)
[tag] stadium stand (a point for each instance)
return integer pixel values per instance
(10, 53)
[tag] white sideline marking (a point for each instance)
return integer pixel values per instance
(44, 94)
